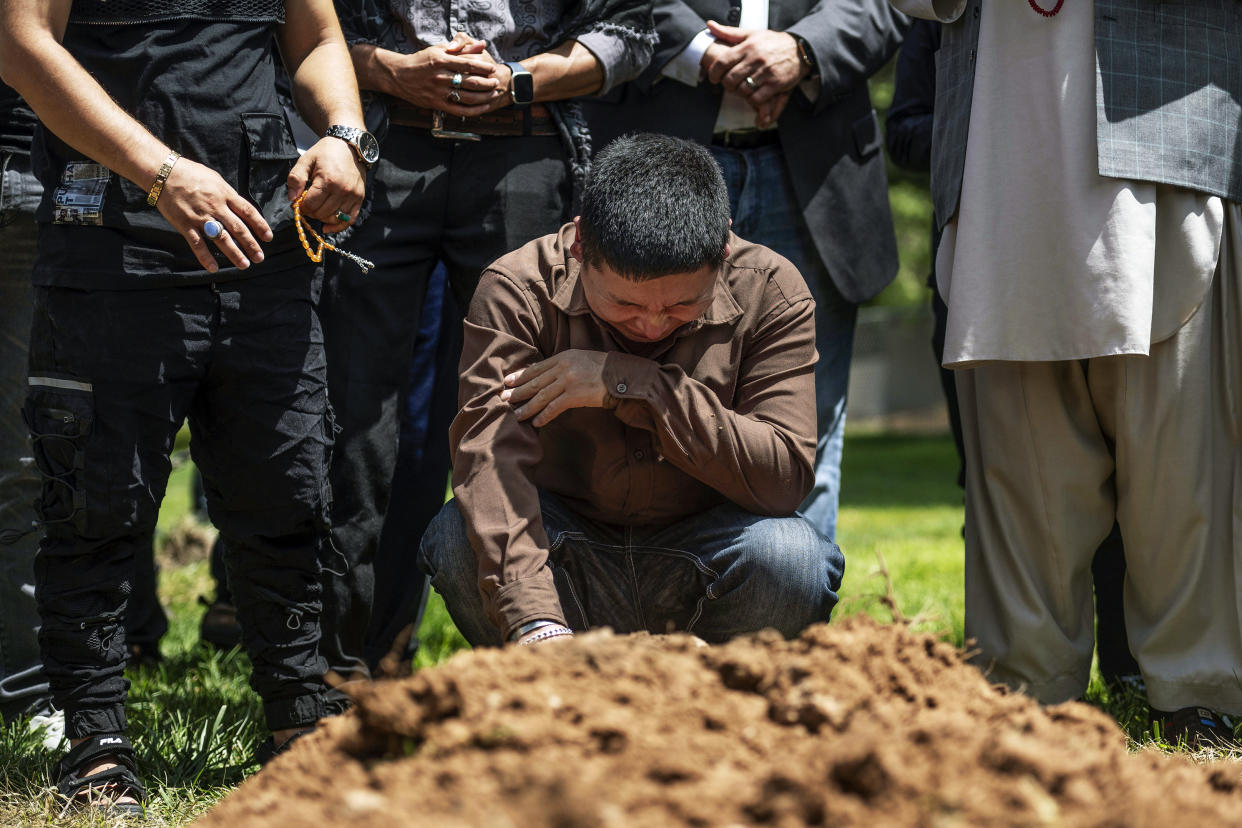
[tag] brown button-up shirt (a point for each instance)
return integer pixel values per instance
(723, 410)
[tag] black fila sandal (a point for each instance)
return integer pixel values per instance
(101, 790)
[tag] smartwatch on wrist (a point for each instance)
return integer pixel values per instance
(521, 85)
(364, 143)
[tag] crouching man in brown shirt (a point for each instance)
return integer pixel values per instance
(637, 423)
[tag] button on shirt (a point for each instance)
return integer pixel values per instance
(722, 410)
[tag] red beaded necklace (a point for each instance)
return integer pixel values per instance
(1045, 12)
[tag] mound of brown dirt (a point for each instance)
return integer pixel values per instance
(850, 724)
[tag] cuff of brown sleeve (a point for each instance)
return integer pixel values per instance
(628, 377)
(525, 600)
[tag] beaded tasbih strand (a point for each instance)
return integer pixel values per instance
(316, 256)
(1045, 12)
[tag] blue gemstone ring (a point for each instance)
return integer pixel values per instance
(213, 229)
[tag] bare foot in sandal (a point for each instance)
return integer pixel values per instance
(100, 772)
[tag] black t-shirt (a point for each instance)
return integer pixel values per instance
(205, 88)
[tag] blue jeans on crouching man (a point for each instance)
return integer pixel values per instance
(716, 574)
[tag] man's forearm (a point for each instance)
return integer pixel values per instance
(566, 71)
(71, 103)
(494, 457)
(760, 460)
(374, 68)
(319, 64)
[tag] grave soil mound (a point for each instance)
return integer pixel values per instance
(850, 724)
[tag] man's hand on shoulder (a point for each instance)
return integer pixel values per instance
(570, 379)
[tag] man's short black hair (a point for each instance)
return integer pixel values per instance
(654, 205)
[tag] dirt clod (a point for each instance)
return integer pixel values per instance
(849, 724)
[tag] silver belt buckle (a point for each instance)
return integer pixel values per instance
(438, 130)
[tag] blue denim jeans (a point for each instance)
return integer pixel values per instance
(22, 681)
(765, 210)
(717, 574)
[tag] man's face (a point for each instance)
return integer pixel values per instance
(650, 310)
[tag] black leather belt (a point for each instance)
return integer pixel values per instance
(533, 120)
(746, 138)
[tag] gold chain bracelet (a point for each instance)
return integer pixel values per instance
(161, 178)
(316, 256)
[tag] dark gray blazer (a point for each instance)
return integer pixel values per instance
(831, 146)
(1168, 102)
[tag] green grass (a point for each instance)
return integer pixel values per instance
(901, 515)
(195, 722)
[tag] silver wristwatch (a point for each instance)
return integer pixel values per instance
(363, 142)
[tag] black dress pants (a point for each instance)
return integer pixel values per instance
(464, 204)
(113, 375)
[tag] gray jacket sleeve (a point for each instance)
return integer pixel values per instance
(851, 41)
(946, 11)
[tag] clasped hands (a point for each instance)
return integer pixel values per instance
(570, 379)
(426, 78)
(769, 59)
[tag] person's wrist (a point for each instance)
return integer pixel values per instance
(505, 75)
(806, 59)
(546, 634)
(540, 629)
(161, 177)
(530, 627)
(376, 68)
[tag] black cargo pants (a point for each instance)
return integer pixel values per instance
(113, 373)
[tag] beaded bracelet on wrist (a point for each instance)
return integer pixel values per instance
(555, 631)
(531, 626)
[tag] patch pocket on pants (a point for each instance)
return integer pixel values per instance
(60, 413)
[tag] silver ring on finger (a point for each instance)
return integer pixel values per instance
(213, 229)
(751, 83)
(457, 79)
(454, 96)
